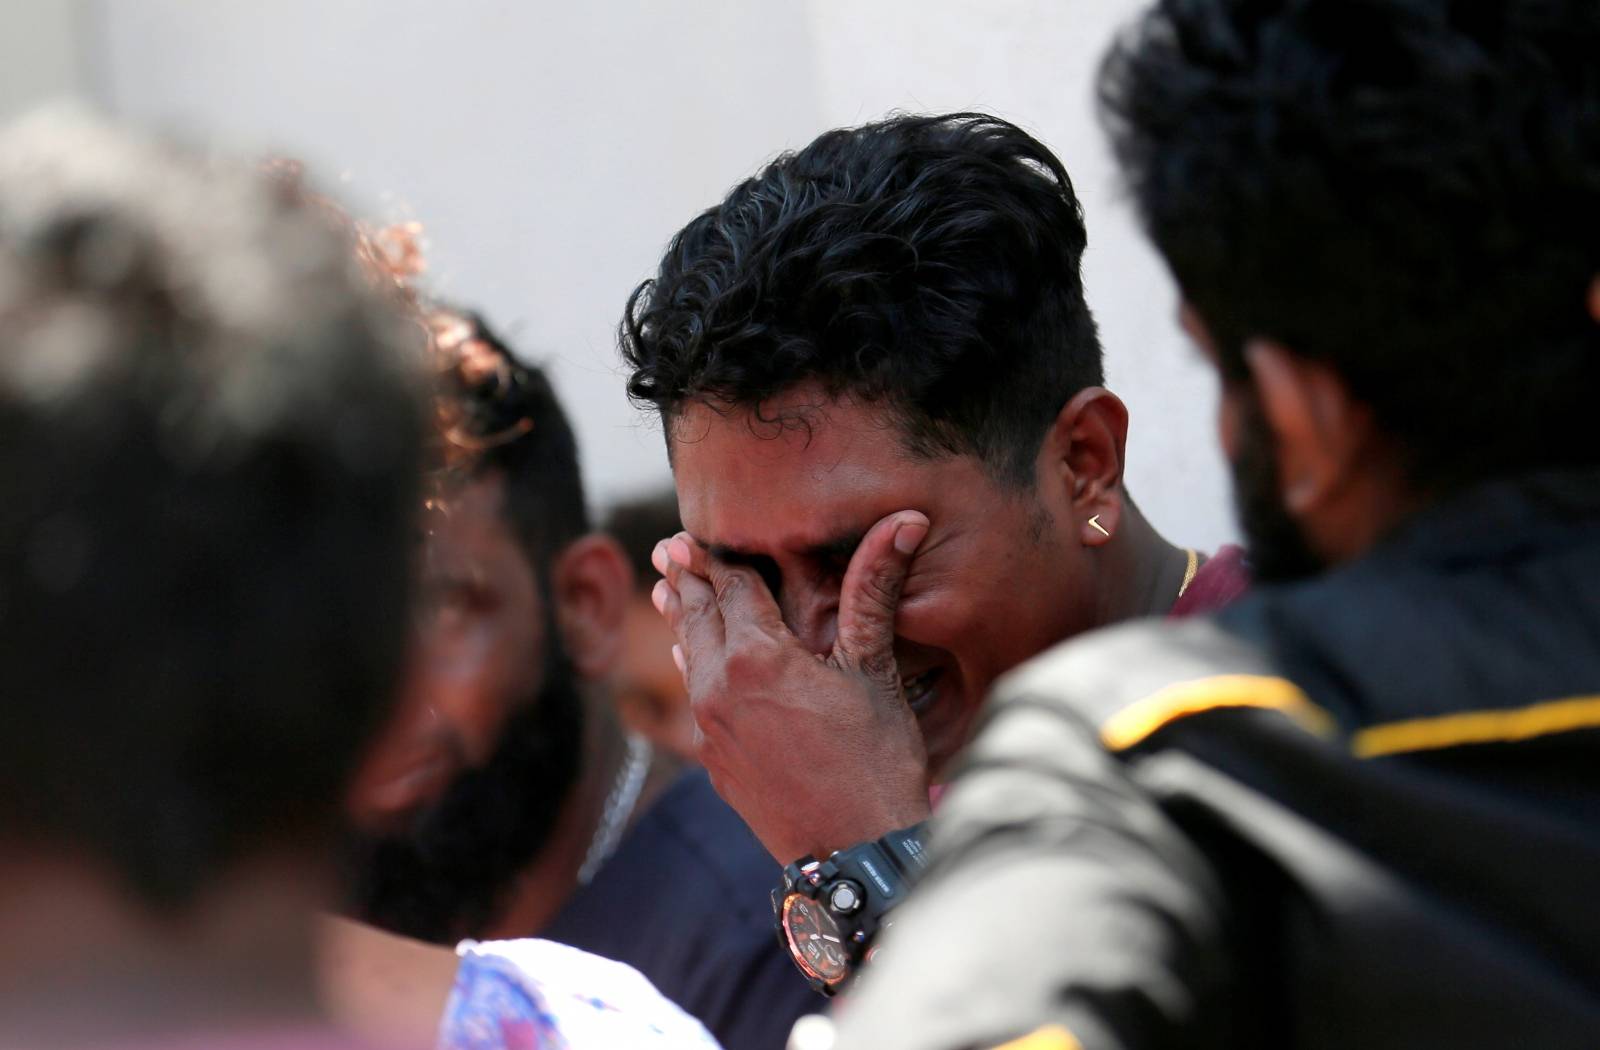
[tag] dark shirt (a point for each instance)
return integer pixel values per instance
(1362, 810)
(686, 901)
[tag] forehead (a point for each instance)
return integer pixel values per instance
(466, 530)
(804, 471)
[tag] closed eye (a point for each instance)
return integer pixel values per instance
(833, 558)
(827, 560)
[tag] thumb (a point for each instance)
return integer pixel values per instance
(870, 594)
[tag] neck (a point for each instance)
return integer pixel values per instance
(1357, 514)
(544, 887)
(1145, 570)
(82, 962)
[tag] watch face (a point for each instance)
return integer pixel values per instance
(815, 939)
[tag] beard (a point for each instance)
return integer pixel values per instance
(1277, 546)
(444, 877)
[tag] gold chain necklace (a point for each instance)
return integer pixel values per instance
(1189, 571)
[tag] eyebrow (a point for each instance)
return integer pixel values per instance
(837, 548)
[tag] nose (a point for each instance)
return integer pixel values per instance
(812, 613)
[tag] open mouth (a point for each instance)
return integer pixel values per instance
(921, 689)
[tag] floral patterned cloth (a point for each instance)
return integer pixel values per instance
(538, 995)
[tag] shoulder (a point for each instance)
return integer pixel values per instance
(686, 898)
(688, 828)
(1119, 688)
(1099, 674)
(727, 856)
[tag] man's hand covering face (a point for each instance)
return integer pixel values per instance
(815, 751)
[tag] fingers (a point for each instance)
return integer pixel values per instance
(745, 601)
(741, 594)
(870, 594)
(680, 553)
(689, 606)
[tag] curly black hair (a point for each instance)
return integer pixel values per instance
(928, 263)
(1407, 189)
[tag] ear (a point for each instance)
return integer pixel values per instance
(1594, 299)
(590, 583)
(1086, 451)
(1318, 428)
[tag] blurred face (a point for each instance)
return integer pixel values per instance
(1277, 545)
(649, 689)
(461, 789)
(476, 657)
(997, 580)
(1279, 552)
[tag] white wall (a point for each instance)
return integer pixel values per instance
(42, 56)
(551, 149)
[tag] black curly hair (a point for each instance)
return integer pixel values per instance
(928, 263)
(1407, 189)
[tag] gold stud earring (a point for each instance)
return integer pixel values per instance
(1094, 523)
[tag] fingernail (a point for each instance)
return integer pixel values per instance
(909, 536)
(678, 551)
(658, 557)
(658, 596)
(677, 658)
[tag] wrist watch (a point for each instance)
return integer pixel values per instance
(829, 911)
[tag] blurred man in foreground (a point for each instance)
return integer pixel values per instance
(1360, 807)
(209, 444)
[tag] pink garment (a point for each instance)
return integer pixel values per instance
(1219, 581)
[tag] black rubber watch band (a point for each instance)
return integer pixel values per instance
(850, 893)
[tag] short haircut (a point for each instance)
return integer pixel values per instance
(210, 436)
(638, 524)
(927, 263)
(1408, 190)
(500, 415)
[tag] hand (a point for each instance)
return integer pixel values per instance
(814, 752)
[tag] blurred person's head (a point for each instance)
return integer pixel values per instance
(890, 318)
(649, 693)
(519, 618)
(210, 427)
(1384, 216)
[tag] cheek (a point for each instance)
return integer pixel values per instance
(999, 602)
(929, 620)
(474, 675)
(943, 607)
